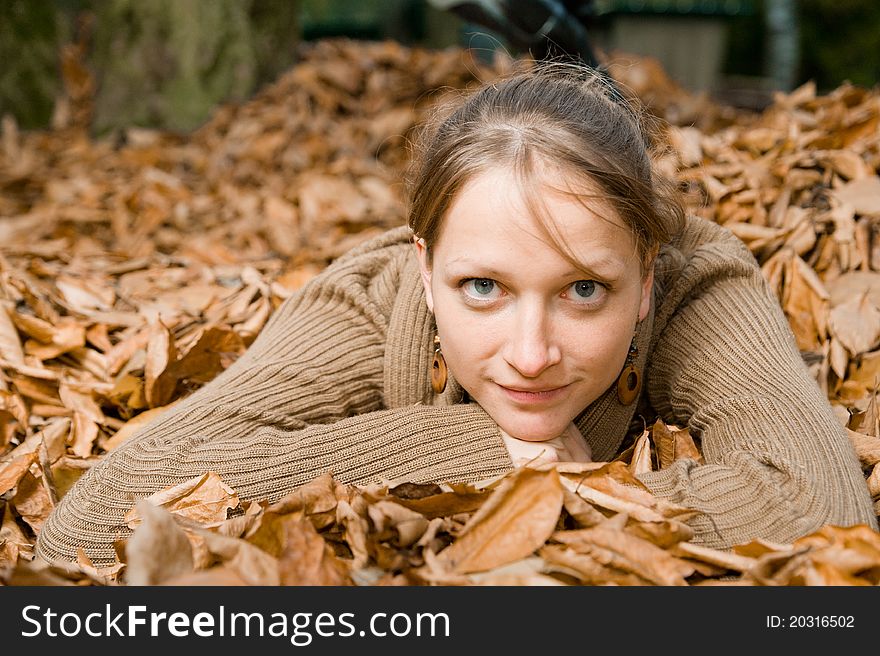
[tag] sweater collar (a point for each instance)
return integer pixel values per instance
(407, 367)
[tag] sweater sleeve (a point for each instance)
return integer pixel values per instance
(305, 398)
(726, 365)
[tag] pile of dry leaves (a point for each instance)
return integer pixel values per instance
(136, 267)
(564, 524)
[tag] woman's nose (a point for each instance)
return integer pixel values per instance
(530, 348)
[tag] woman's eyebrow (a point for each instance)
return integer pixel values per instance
(458, 264)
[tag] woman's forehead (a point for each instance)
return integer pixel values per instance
(493, 213)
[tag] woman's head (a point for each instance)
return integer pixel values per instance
(558, 113)
(537, 218)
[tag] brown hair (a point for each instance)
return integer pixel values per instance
(564, 114)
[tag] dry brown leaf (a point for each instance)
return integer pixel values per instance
(84, 296)
(83, 435)
(583, 513)
(159, 385)
(862, 194)
(641, 461)
(463, 500)
(627, 552)
(856, 323)
(664, 534)
(664, 442)
(158, 550)
(66, 472)
(125, 349)
(317, 499)
(251, 564)
(13, 542)
(528, 571)
(215, 576)
(867, 447)
(587, 568)
(11, 350)
(866, 371)
(53, 435)
(804, 300)
(81, 402)
(723, 559)
(356, 532)
(854, 284)
(846, 163)
(874, 481)
(516, 520)
(133, 425)
(759, 547)
(611, 502)
(641, 498)
(32, 502)
(407, 526)
(13, 471)
(67, 336)
(204, 499)
(211, 354)
(685, 447)
(307, 559)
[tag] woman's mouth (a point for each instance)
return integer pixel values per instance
(546, 395)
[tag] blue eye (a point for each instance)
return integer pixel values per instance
(481, 288)
(585, 290)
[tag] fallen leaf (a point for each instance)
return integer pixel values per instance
(856, 323)
(588, 568)
(10, 345)
(862, 194)
(133, 425)
(867, 447)
(13, 542)
(249, 563)
(13, 471)
(874, 481)
(158, 550)
(628, 553)
(641, 461)
(307, 559)
(204, 499)
(723, 559)
(32, 502)
(161, 353)
(516, 520)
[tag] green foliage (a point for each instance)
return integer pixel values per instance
(29, 77)
(840, 40)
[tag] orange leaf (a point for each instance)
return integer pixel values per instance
(517, 519)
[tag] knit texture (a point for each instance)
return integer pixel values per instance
(339, 381)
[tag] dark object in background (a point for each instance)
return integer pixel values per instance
(548, 29)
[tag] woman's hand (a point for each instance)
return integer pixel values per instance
(570, 446)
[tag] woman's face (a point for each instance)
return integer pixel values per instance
(530, 337)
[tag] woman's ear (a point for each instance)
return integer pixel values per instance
(647, 287)
(425, 270)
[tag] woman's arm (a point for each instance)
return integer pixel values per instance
(304, 399)
(779, 465)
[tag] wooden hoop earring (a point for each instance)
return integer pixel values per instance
(438, 368)
(629, 383)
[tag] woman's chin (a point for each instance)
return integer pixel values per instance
(532, 432)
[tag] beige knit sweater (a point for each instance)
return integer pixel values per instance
(339, 380)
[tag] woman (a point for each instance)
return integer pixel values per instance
(547, 296)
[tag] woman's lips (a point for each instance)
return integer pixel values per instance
(543, 396)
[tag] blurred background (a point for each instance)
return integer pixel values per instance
(168, 63)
